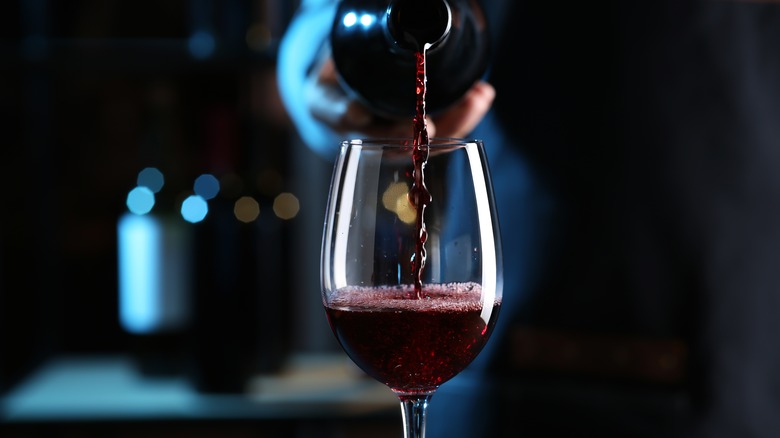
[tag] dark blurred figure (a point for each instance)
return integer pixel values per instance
(635, 150)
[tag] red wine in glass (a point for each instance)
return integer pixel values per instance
(411, 345)
(412, 340)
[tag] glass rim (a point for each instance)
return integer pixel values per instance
(407, 142)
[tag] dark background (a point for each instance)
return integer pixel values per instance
(93, 91)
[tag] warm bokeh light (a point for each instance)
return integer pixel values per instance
(246, 209)
(396, 199)
(403, 208)
(286, 206)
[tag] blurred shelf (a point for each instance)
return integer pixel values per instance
(110, 389)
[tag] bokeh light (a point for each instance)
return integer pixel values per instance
(246, 209)
(286, 206)
(202, 44)
(206, 186)
(151, 178)
(396, 199)
(140, 200)
(194, 209)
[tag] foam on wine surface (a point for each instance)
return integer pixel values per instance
(461, 297)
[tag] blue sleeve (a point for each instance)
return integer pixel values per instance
(299, 49)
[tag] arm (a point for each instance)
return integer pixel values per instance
(299, 50)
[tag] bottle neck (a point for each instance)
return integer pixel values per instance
(418, 25)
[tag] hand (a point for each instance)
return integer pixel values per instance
(330, 104)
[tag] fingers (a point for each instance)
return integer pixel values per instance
(327, 72)
(325, 98)
(329, 103)
(465, 115)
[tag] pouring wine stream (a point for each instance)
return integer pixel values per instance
(419, 26)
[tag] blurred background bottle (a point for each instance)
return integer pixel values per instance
(154, 243)
(241, 301)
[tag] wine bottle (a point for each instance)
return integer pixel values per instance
(373, 44)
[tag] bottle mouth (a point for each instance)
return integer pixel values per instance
(419, 24)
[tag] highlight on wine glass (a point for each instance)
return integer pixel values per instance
(411, 263)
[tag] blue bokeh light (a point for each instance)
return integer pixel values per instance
(140, 200)
(151, 178)
(194, 208)
(207, 186)
(202, 44)
(367, 20)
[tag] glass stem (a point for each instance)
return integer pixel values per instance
(414, 411)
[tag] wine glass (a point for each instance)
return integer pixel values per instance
(411, 263)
